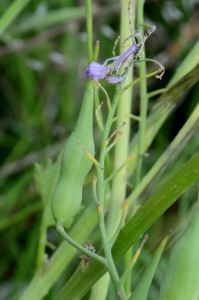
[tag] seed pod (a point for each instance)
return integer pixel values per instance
(182, 276)
(75, 165)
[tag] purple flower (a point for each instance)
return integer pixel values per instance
(133, 49)
(117, 79)
(95, 71)
(110, 69)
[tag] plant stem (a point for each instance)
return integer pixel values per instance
(157, 92)
(121, 152)
(89, 30)
(139, 80)
(99, 258)
(42, 243)
(120, 168)
(101, 192)
(109, 259)
(142, 126)
(143, 99)
(118, 193)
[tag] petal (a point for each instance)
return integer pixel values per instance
(96, 71)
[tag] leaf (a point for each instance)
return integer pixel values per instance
(50, 18)
(162, 199)
(181, 280)
(142, 289)
(187, 65)
(46, 179)
(12, 12)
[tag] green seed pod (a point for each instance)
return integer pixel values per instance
(181, 280)
(75, 165)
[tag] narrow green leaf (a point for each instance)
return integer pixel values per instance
(142, 289)
(46, 179)
(182, 276)
(51, 18)
(187, 65)
(19, 216)
(12, 12)
(162, 199)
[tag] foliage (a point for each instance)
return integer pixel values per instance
(43, 60)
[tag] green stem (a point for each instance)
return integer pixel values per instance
(143, 99)
(108, 101)
(110, 262)
(122, 223)
(119, 169)
(134, 117)
(89, 30)
(101, 192)
(83, 250)
(145, 76)
(142, 120)
(157, 92)
(118, 193)
(127, 260)
(42, 243)
(96, 51)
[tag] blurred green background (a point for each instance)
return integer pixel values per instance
(42, 79)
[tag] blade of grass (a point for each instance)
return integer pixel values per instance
(20, 216)
(187, 65)
(142, 289)
(12, 12)
(50, 19)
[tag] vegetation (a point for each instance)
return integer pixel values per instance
(140, 197)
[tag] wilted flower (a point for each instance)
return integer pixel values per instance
(96, 71)
(110, 69)
(120, 60)
(114, 79)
